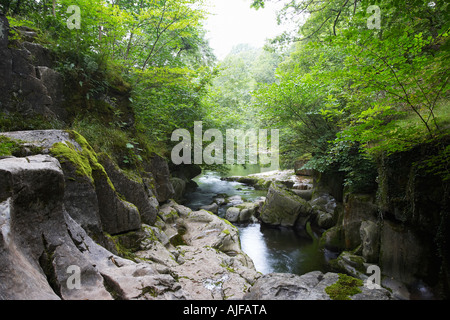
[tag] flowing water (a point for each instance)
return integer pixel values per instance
(271, 249)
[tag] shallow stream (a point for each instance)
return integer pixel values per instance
(271, 249)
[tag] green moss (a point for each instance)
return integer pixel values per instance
(66, 151)
(16, 121)
(122, 250)
(85, 160)
(17, 148)
(263, 184)
(344, 288)
(7, 146)
(177, 240)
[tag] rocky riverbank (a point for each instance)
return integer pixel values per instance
(70, 230)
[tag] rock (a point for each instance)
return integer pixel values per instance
(4, 29)
(333, 239)
(263, 180)
(54, 83)
(234, 200)
(311, 286)
(208, 260)
(350, 263)
(325, 220)
(214, 208)
(283, 208)
(214, 265)
(330, 183)
(370, 240)
(242, 212)
(298, 168)
(39, 242)
(41, 57)
(179, 186)
(135, 190)
(357, 208)
(90, 197)
(19, 78)
(160, 172)
(405, 255)
(232, 214)
(219, 201)
(323, 202)
(304, 194)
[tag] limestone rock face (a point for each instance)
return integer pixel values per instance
(40, 243)
(28, 85)
(311, 286)
(185, 255)
(137, 192)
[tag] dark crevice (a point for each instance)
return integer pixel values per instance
(81, 245)
(113, 288)
(46, 263)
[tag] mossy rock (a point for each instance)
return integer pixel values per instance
(8, 146)
(344, 288)
(16, 148)
(84, 160)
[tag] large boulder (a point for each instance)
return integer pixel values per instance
(285, 208)
(311, 286)
(159, 170)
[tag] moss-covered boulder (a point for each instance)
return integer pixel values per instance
(90, 197)
(313, 286)
(333, 239)
(285, 208)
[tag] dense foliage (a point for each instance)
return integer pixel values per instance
(152, 51)
(350, 91)
(358, 78)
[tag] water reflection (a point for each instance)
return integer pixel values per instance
(280, 250)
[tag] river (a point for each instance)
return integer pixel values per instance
(271, 249)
